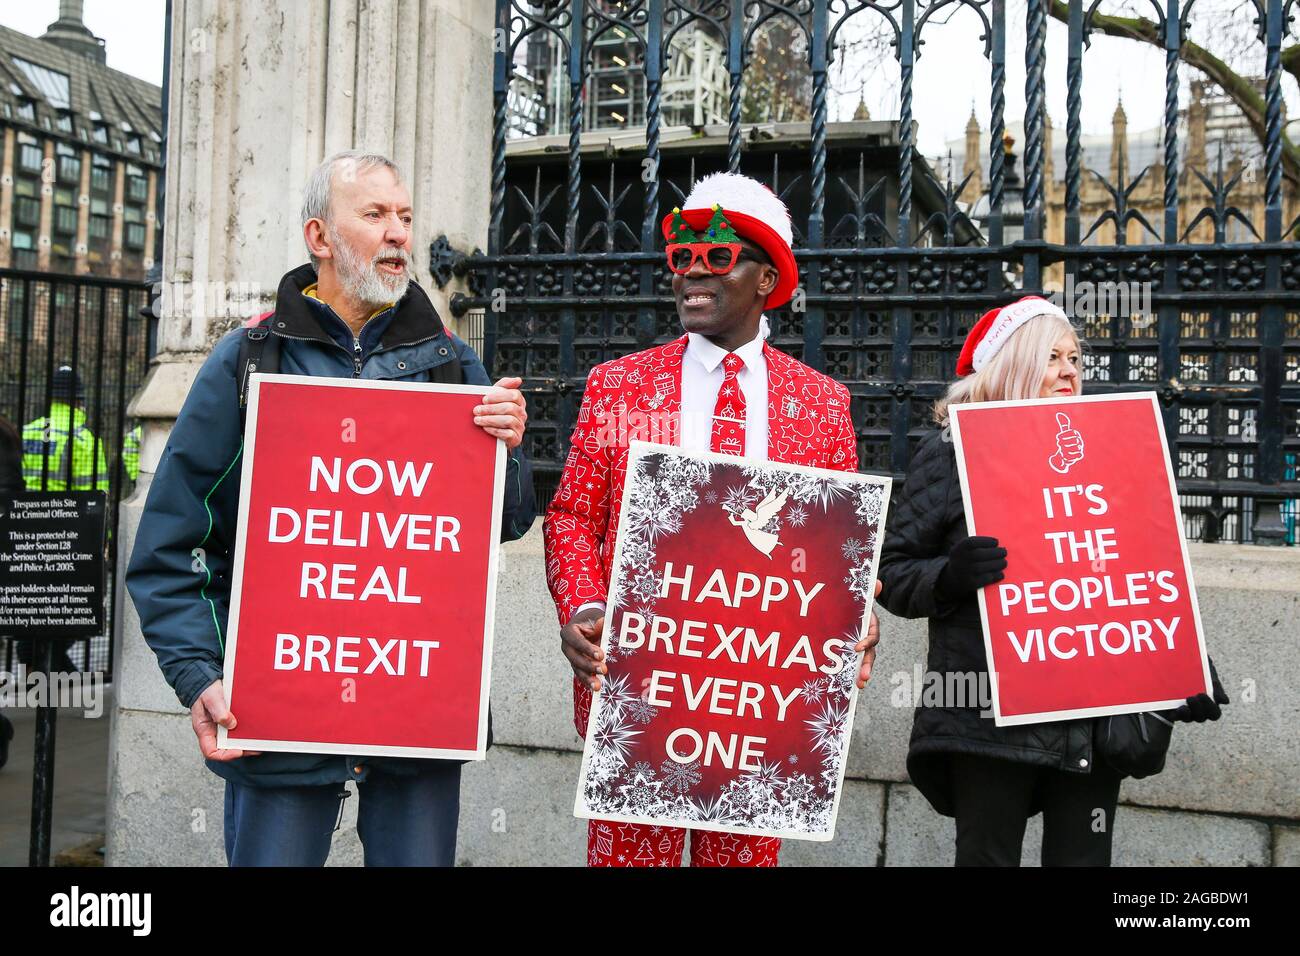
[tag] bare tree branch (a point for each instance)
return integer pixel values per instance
(1237, 87)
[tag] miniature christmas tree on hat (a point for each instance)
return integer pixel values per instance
(680, 231)
(718, 229)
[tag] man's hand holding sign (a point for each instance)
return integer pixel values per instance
(502, 413)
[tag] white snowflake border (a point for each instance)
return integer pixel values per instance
(666, 487)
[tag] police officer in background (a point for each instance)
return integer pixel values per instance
(51, 444)
(49, 441)
(131, 453)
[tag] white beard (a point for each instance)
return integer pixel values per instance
(362, 281)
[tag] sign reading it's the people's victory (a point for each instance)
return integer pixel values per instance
(738, 591)
(1096, 613)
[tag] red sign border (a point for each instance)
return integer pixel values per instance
(237, 577)
(1149, 400)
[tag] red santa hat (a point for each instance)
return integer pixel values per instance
(996, 327)
(756, 213)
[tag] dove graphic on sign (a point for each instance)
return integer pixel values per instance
(1069, 445)
(753, 520)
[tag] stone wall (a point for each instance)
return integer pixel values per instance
(1227, 798)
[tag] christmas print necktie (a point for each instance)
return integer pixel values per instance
(728, 434)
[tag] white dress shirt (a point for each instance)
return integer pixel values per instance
(702, 375)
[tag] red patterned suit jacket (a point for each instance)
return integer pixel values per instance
(808, 424)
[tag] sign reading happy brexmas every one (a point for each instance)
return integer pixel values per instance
(1097, 612)
(365, 569)
(738, 590)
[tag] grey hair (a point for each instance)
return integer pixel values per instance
(316, 195)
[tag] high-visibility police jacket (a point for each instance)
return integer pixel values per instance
(131, 453)
(49, 441)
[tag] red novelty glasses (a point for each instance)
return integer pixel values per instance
(718, 257)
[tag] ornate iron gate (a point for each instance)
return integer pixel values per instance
(885, 310)
(96, 326)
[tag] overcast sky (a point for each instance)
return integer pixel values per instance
(951, 75)
(132, 30)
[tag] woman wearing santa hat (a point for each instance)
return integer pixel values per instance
(990, 778)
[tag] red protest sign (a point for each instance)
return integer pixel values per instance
(364, 571)
(1097, 612)
(738, 590)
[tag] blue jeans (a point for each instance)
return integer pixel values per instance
(401, 820)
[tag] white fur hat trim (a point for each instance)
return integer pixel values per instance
(1010, 318)
(737, 193)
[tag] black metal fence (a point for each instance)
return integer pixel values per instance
(94, 325)
(1222, 348)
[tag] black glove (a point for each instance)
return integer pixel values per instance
(1202, 707)
(972, 563)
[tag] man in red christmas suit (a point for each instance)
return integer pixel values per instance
(719, 387)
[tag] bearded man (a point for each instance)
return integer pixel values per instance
(353, 312)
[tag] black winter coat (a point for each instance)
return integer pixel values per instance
(926, 519)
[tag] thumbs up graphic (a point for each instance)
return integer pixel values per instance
(1069, 445)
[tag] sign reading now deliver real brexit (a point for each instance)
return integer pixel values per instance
(365, 569)
(1097, 611)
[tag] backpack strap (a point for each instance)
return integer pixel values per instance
(449, 373)
(259, 351)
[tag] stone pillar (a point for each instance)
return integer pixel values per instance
(119, 219)
(43, 240)
(83, 215)
(7, 197)
(151, 222)
(261, 92)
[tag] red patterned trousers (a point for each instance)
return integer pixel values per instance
(636, 844)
